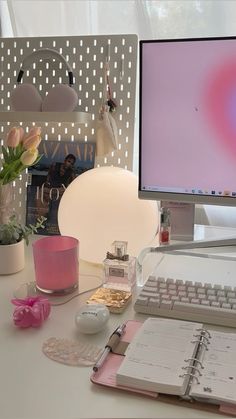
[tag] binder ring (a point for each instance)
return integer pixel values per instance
(204, 331)
(192, 367)
(190, 375)
(195, 360)
(200, 343)
(202, 337)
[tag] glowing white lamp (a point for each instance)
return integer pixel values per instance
(101, 206)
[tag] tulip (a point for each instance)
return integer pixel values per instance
(32, 141)
(34, 131)
(14, 137)
(29, 156)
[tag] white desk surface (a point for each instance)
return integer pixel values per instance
(33, 386)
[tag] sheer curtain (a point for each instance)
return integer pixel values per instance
(149, 19)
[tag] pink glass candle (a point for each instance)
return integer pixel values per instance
(56, 261)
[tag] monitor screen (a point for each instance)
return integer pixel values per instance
(188, 120)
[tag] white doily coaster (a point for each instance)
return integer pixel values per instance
(71, 352)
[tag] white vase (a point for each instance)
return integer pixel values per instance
(12, 257)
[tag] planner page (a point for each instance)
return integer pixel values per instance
(158, 357)
(218, 380)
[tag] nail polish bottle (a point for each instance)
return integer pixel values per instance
(119, 268)
(165, 226)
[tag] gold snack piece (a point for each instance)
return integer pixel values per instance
(115, 300)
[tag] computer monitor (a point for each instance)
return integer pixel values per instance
(188, 120)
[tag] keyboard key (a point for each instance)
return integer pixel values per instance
(185, 299)
(170, 281)
(179, 282)
(222, 300)
(175, 298)
(215, 304)
(191, 289)
(227, 288)
(172, 292)
(154, 302)
(166, 304)
(220, 293)
(142, 300)
(226, 305)
(189, 283)
(211, 292)
(205, 302)
(212, 298)
(201, 290)
(192, 295)
(195, 301)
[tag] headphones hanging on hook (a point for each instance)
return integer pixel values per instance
(61, 98)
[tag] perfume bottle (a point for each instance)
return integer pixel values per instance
(119, 268)
(165, 226)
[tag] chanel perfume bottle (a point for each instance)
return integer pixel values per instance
(119, 268)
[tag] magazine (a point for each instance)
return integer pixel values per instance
(61, 163)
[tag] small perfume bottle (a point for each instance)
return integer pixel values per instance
(119, 268)
(165, 226)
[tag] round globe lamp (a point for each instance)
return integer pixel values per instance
(101, 206)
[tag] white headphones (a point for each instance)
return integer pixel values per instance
(61, 98)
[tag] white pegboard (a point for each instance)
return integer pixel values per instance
(87, 55)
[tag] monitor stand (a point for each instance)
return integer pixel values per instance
(177, 247)
(182, 219)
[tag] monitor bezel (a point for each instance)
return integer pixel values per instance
(194, 198)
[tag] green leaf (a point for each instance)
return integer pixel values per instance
(5, 155)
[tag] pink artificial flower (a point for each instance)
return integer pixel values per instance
(29, 156)
(14, 136)
(32, 141)
(31, 311)
(34, 131)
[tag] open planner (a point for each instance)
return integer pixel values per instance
(178, 360)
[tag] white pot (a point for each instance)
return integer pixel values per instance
(12, 258)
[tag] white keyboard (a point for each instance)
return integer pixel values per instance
(205, 303)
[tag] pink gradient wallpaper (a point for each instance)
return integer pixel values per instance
(189, 114)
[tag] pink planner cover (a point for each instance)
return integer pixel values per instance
(106, 376)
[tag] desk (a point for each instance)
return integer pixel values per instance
(33, 386)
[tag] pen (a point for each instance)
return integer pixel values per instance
(110, 346)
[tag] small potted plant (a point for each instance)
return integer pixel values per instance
(12, 238)
(20, 152)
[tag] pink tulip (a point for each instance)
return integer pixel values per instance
(22, 133)
(32, 141)
(31, 311)
(14, 136)
(29, 156)
(34, 131)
